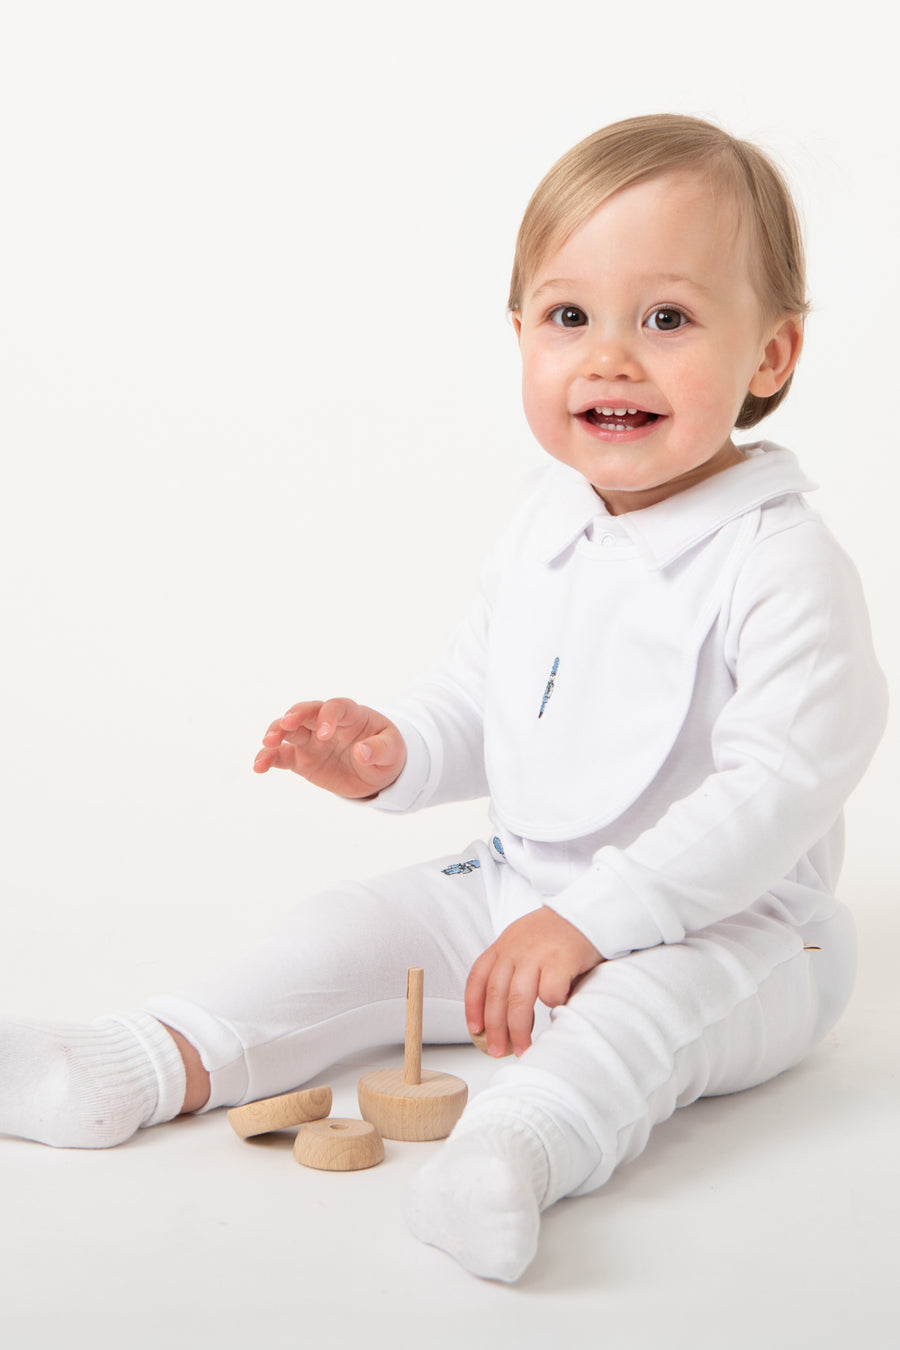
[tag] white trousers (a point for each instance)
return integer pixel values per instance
(726, 1009)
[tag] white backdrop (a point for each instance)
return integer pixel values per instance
(259, 411)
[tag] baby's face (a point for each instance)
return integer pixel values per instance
(640, 338)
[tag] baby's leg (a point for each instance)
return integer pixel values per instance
(330, 980)
(725, 1010)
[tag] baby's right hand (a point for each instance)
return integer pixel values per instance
(339, 745)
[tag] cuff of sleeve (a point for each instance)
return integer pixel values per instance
(411, 789)
(600, 905)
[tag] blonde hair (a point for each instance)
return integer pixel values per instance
(642, 148)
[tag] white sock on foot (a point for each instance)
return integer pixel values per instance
(479, 1199)
(87, 1085)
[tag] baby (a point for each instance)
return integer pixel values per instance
(667, 688)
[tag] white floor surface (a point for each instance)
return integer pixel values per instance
(767, 1219)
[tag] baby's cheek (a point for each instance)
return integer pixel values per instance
(541, 407)
(710, 409)
(697, 391)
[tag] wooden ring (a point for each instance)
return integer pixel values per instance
(338, 1145)
(280, 1113)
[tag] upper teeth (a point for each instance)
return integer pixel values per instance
(616, 412)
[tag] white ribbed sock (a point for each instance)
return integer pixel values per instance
(479, 1199)
(87, 1085)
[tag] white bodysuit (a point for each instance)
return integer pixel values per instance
(668, 710)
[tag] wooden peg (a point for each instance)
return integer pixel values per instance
(412, 1103)
(338, 1145)
(280, 1113)
(415, 1003)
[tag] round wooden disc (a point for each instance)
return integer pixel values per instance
(411, 1111)
(280, 1113)
(338, 1145)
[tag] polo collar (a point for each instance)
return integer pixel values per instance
(664, 531)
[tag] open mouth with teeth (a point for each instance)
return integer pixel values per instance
(619, 419)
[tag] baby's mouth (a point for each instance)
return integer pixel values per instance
(619, 419)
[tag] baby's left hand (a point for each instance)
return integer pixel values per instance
(537, 957)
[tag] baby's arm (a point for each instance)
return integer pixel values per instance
(540, 956)
(339, 745)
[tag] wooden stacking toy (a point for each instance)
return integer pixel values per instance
(337, 1145)
(280, 1113)
(412, 1103)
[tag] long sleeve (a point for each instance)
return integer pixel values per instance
(441, 719)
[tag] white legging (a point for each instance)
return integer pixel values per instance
(728, 1008)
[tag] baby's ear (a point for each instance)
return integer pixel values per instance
(779, 357)
(516, 317)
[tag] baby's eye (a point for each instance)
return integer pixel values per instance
(666, 319)
(568, 316)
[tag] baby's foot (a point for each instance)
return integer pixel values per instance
(76, 1085)
(480, 1204)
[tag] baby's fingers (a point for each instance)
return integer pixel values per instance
(476, 987)
(339, 714)
(382, 753)
(523, 994)
(274, 757)
(496, 1006)
(300, 716)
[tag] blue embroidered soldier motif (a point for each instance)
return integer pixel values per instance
(460, 869)
(550, 683)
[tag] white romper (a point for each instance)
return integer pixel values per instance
(668, 710)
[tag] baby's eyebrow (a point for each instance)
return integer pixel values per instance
(651, 279)
(557, 283)
(677, 279)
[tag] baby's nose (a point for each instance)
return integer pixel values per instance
(612, 356)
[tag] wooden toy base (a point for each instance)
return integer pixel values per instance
(338, 1145)
(412, 1111)
(280, 1113)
